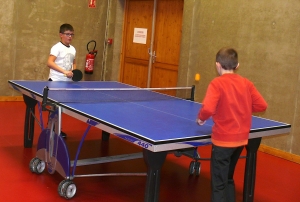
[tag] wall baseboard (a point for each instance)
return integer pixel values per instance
(263, 148)
(279, 153)
(11, 98)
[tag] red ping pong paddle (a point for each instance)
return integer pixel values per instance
(77, 75)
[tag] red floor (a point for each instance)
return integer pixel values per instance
(277, 180)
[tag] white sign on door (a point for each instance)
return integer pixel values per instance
(140, 35)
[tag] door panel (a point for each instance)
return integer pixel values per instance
(166, 44)
(168, 31)
(135, 72)
(139, 16)
(134, 69)
(164, 77)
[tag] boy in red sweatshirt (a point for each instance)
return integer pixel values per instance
(230, 100)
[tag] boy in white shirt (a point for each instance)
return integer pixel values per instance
(61, 60)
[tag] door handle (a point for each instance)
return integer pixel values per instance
(153, 57)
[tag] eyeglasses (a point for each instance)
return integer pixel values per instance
(69, 34)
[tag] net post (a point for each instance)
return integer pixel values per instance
(45, 102)
(193, 93)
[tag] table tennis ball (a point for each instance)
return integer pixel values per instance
(197, 77)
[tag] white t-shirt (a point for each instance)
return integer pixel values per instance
(64, 58)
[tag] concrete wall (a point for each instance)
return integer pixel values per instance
(265, 33)
(29, 28)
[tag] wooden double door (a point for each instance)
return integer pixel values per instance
(153, 60)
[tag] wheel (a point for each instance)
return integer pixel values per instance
(70, 190)
(40, 167)
(36, 165)
(177, 154)
(61, 187)
(197, 168)
(192, 167)
(32, 164)
(66, 189)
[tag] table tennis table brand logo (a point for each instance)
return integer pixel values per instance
(92, 122)
(134, 140)
(143, 144)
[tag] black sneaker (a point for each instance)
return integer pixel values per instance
(63, 135)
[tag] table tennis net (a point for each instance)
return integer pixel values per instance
(82, 95)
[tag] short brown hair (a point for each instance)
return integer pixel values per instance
(65, 27)
(228, 58)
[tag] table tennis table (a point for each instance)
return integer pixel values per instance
(159, 124)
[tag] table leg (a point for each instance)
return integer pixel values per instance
(250, 169)
(154, 162)
(29, 121)
(105, 136)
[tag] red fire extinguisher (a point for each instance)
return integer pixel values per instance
(90, 57)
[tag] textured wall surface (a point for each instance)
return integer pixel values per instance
(29, 28)
(265, 33)
(7, 45)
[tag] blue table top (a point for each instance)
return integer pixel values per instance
(157, 121)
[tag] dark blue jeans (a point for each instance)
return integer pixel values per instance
(222, 166)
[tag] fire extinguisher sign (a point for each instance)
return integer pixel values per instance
(92, 3)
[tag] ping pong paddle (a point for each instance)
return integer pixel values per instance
(77, 75)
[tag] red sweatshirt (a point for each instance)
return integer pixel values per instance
(230, 100)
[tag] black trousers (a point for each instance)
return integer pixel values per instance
(222, 166)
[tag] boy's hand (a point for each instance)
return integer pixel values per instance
(68, 74)
(200, 122)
